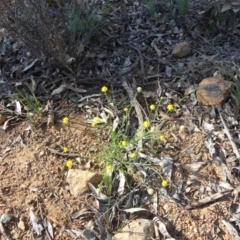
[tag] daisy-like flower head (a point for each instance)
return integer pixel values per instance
(104, 89)
(164, 183)
(146, 124)
(170, 107)
(150, 191)
(162, 138)
(125, 109)
(65, 149)
(65, 120)
(133, 155)
(152, 107)
(139, 89)
(69, 164)
(124, 143)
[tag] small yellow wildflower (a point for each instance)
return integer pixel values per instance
(139, 89)
(162, 98)
(181, 128)
(152, 107)
(94, 124)
(65, 120)
(65, 149)
(97, 120)
(125, 109)
(133, 155)
(146, 124)
(161, 164)
(124, 143)
(104, 89)
(108, 168)
(162, 138)
(150, 191)
(69, 164)
(170, 107)
(164, 183)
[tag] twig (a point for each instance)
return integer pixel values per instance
(209, 199)
(63, 154)
(235, 149)
(136, 104)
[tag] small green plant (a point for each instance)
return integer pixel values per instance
(79, 22)
(151, 6)
(123, 160)
(183, 6)
(30, 102)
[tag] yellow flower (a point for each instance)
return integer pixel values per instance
(146, 124)
(162, 98)
(125, 109)
(108, 168)
(164, 183)
(162, 138)
(65, 120)
(124, 143)
(97, 120)
(170, 107)
(69, 164)
(65, 149)
(161, 164)
(133, 155)
(152, 107)
(104, 89)
(94, 124)
(181, 128)
(150, 191)
(139, 89)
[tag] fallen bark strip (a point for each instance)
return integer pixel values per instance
(209, 199)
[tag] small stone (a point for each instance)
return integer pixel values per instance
(181, 50)
(78, 180)
(213, 91)
(139, 229)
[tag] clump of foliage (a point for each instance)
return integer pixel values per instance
(183, 6)
(56, 31)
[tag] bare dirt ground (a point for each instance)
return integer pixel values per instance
(34, 178)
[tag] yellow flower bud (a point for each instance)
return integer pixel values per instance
(146, 124)
(152, 107)
(69, 164)
(170, 107)
(104, 89)
(65, 120)
(164, 183)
